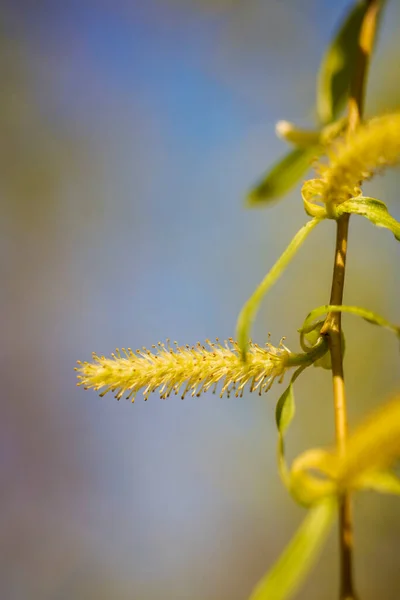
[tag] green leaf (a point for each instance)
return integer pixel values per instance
(286, 576)
(338, 65)
(283, 175)
(305, 489)
(249, 310)
(365, 314)
(284, 413)
(384, 482)
(374, 446)
(285, 409)
(325, 362)
(372, 209)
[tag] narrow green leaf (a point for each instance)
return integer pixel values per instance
(325, 362)
(365, 314)
(374, 446)
(285, 409)
(284, 413)
(249, 310)
(372, 209)
(283, 175)
(384, 482)
(338, 65)
(286, 576)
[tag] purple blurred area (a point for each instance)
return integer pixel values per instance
(130, 133)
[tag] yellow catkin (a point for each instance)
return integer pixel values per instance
(188, 369)
(356, 158)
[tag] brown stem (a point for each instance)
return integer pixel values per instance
(333, 330)
(332, 326)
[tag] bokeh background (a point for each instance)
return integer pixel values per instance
(130, 133)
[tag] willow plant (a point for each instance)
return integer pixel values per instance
(345, 151)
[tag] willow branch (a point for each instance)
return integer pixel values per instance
(332, 326)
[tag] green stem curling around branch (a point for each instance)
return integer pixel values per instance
(249, 310)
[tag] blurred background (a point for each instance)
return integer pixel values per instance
(131, 131)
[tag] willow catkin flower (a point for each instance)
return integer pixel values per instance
(193, 369)
(356, 158)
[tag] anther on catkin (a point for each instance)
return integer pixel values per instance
(356, 158)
